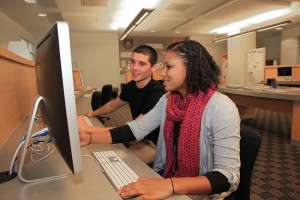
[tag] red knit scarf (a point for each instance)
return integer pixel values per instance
(189, 113)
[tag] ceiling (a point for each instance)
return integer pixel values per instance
(190, 17)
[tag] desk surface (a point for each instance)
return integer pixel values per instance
(89, 184)
(289, 93)
(287, 102)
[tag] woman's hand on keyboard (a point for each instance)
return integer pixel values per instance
(147, 188)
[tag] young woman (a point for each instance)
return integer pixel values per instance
(198, 145)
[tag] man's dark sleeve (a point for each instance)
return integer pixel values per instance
(122, 95)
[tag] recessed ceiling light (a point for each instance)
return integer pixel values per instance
(153, 31)
(30, 1)
(42, 15)
(177, 31)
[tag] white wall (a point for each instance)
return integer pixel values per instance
(11, 31)
(214, 48)
(273, 48)
(97, 55)
(289, 46)
(237, 57)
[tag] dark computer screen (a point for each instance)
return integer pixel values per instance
(54, 77)
(284, 71)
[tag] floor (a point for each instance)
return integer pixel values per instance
(276, 173)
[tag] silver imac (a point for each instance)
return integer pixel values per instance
(56, 105)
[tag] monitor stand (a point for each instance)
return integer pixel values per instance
(51, 167)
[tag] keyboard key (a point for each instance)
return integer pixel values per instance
(116, 170)
(85, 124)
(87, 121)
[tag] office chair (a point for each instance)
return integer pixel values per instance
(249, 145)
(101, 98)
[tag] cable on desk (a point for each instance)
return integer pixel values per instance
(40, 133)
(37, 149)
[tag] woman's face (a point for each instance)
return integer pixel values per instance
(174, 73)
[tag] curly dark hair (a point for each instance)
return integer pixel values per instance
(201, 70)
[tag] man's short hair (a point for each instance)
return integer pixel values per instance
(147, 50)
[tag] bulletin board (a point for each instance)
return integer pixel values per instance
(224, 68)
(255, 66)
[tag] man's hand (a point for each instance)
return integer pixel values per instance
(90, 114)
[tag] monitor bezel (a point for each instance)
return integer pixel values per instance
(71, 154)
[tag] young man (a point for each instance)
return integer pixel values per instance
(141, 93)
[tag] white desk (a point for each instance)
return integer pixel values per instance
(89, 184)
(283, 102)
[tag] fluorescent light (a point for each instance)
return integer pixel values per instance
(221, 39)
(266, 16)
(135, 22)
(273, 26)
(131, 29)
(254, 30)
(253, 20)
(42, 15)
(30, 1)
(229, 28)
(126, 10)
(142, 18)
(123, 37)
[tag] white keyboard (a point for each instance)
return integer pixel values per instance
(116, 170)
(87, 120)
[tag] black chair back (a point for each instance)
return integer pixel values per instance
(107, 93)
(249, 145)
(96, 100)
(101, 98)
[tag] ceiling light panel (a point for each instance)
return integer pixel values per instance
(236, 11)
(164, 25)
(84, 21)
(258, 17)
(178, 7)
(266, 16)
(126, 10)
(30, 1)
(229, 28)
(97, 3)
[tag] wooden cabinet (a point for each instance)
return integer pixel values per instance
(272, 72)
(291, 79)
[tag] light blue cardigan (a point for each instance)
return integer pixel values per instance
(219, 138)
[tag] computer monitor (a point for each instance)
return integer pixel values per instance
(54, 77)
(284, 73)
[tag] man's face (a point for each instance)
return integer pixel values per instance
(140, 67)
